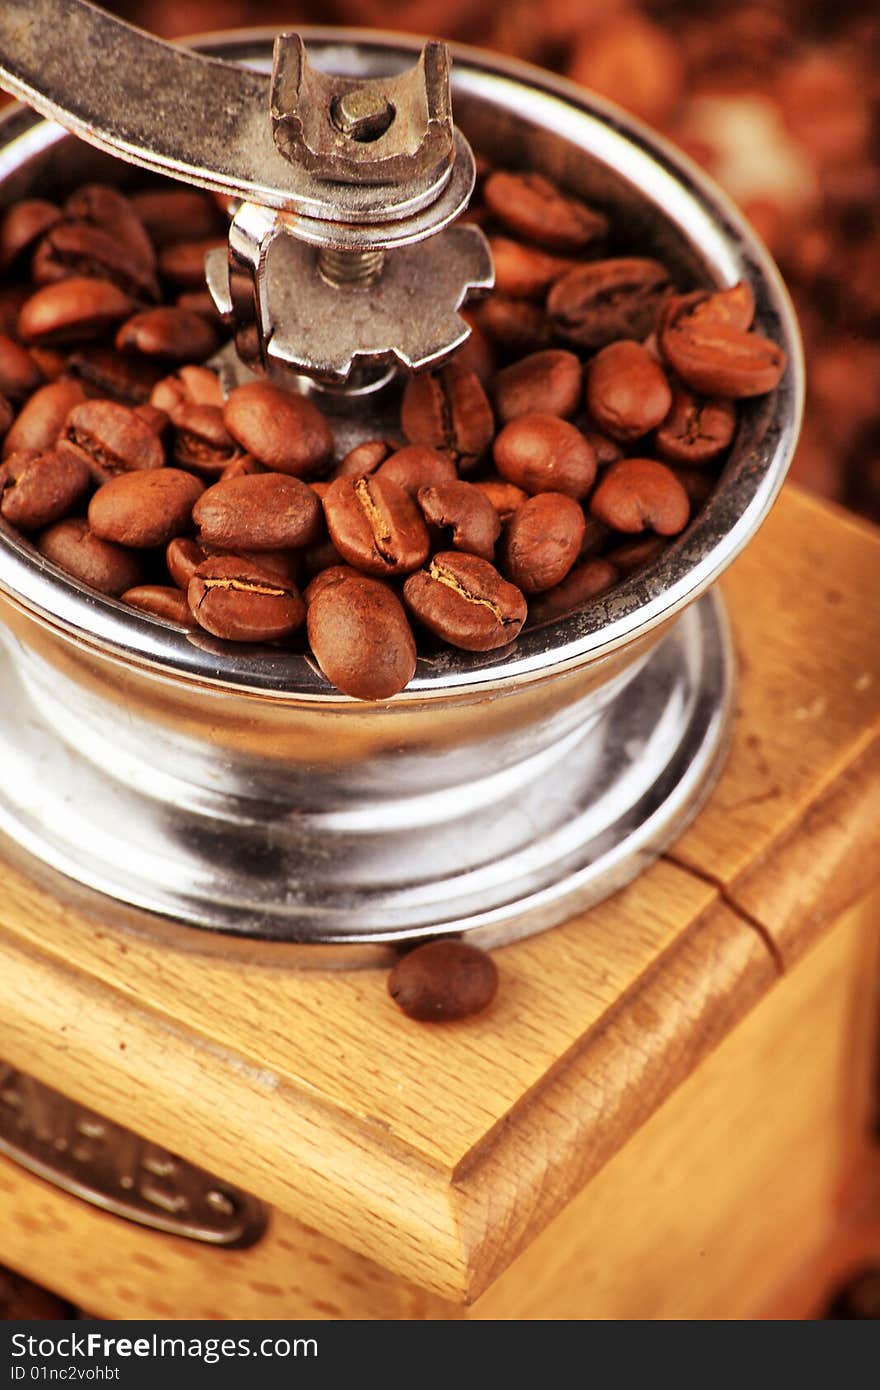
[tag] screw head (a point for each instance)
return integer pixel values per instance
(363, 114)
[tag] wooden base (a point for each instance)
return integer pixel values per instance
(614, 1139)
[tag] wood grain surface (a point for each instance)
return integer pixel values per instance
(440, 1152)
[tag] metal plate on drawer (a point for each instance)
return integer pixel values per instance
(114, 1168)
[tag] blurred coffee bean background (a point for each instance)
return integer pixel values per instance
(780, 101)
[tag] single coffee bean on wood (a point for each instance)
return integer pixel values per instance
(541, 453)
(240, 601)
(464, 600)
(443, 981)
(360, 634)
(146, 508)
(375, 525)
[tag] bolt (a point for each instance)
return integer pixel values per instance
(363, 114)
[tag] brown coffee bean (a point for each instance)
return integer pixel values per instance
(550, 382)
(160, 601)
(606, 450)
(266, 511)
(375, 525)
(321, 556)
(146, 508)
(697, 483)
(183, 557)
(696, 430)
(474, 522)
(41, 420)
(184, 263)
(79, 248)
(448, 410)
(110, 210)
(634, 62)
(585, 582)
(176, 335)
(200, 302)
(113, 375)
(596, 535)
(285, 431)
(172, 215)
(285, 564)
(19, 374)
(111, 569)
(364, 459)
(189, 385)
(633, 556)
(505, 497)
(627, 393)
(7, 415)
(514, 325)
(151, 415)
(713, 356)
(606, 300)
(535, 208)
(524, 272)
(201, 441)
(22, 226)
(52, 364)
(542, 453)
(476, 354)
(12, 299)
(38, 491)
(360, 635)
(112, 439)
(233, 598)
(443, 981)
(244, 466)
(72, 311)
(641, 495)
(731, 308)
(464, 600)
(417, 466)
(332, 574)
(542, 541)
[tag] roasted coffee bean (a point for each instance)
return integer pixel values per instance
(542, 541)
(190, 385)
(464, 600)
(114, 375)
(550, 382)
(285, 431)
(697, 483)
(542, 453)
(266, 511)
(172, 215)
(79, 248)
(323, 555)
(36, 492)
(12, 300)
(713, 356)
(696, 430)
(631, 61)
(448, 410)
(286, 564)
(22, 226)
(524, 272)
(443, 981)
(582, 584)
(110, 210)
(633, 556)
(72, 311)
(375, 525)
(176, 335)
(183, 557)
(160, 601)
(7, 415)
(595, 538)
(474, 522)
(146, 508)
(417, 466)
(505, 497)
(201, 441)
(627, 392)
(233, 598)
(109, 568)
(52, 364)
(476, 354)
(364, 459)
(514, 325)
(200, 302)
(360, 635)
(730, 308)
(605, 300)
(112, 439)
(606, 450)
(41, 420)
(19, 374)
(535, 208)
(641, 495)
(184, 263)
(244, 466)
(151, 415)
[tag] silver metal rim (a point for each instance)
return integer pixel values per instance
(723, 528)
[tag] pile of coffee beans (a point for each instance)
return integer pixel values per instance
(561, 449)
